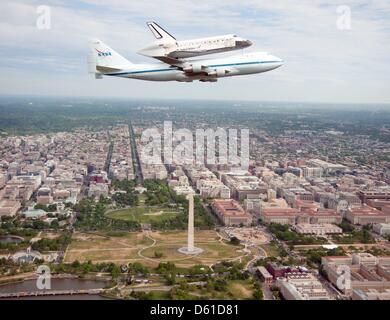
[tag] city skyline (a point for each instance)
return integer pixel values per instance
(78, 193)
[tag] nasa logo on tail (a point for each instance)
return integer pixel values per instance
(103, 54)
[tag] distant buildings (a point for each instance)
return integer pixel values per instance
(382, 229)
(369, 275)
(207, 183)
(44, 196)
(327, 167)
(9, 207)
(294, 216)
(264, 275)
(230, 212)
(256, 205)
(154, 171)
(378, 203)
(309, 172)
(367, 215)
(317, 229)
(371, 294)
(56, 168)
(242, 185)
(98, 184)
(293, 194)
(374, 195)
(301, 286)
(279, 271)
(184, 190)
(97, 190)
(294, 283)
(179, 182)
(2, 180)
(279, 215)
(121, 165)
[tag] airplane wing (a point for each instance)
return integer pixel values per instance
(182, 65)
(191, 69)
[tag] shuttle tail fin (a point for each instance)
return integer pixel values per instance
(159, 33)
(105, 59)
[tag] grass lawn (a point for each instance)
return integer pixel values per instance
(102, 248)
(144, 214)
(240, 289)
(271, 249)
(139, 246)
(236, 290)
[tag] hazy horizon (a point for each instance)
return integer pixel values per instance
(156, 99)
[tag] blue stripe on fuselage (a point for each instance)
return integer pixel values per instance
(240, 63)
(142, 71)
(176, 68)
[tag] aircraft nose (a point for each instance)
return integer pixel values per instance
(277, 61)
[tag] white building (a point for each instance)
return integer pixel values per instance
(312, 172)
(382, 228)
(317, 229)
(301, 286)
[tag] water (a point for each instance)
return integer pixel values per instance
(57, 285)
(10, 239)
(66, 297)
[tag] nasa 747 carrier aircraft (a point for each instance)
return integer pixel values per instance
(104, 61)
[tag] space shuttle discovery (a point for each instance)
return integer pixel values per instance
(168, 47)
(174, 64)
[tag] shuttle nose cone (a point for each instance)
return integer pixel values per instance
(243, 43)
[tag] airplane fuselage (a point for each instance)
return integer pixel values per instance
(201, 69)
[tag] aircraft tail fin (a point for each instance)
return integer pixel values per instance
(103, 59)
(159, 33)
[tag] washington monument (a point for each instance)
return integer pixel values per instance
(190, 249)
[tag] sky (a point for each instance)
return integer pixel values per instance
(322, 62)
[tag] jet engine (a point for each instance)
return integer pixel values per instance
(197, 68)
(217, 72)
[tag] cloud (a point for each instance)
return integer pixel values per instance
(323, 63)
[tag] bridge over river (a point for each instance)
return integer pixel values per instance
(49, 293)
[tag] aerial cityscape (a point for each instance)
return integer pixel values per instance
(183, 158)
(308, 219)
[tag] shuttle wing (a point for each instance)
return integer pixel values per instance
(170, 61)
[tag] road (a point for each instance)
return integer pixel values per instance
(134, 153)
(267, 291)
(162, 288)
(109, 156)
